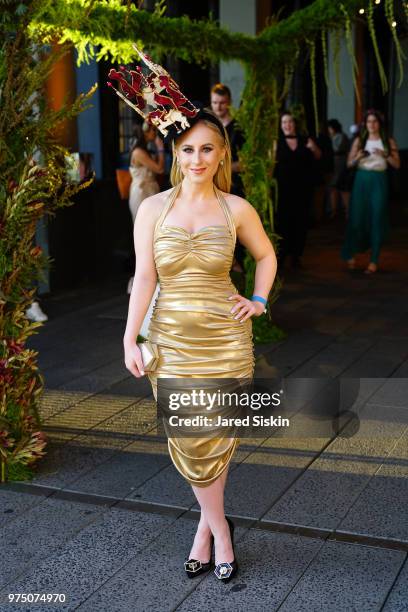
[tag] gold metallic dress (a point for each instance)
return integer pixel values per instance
(192, 325)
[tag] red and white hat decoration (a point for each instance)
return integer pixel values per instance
(154, 96)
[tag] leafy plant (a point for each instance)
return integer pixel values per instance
(28, 190)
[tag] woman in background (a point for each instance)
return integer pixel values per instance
(295, 174)
(143, 169)
(371, 153)
(339, 184)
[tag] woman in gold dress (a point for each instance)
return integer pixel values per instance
(200, 324)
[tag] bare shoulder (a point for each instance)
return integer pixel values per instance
(239, 207)
(152, 206)
(138, 155)
(237, 204)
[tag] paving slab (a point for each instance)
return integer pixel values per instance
(323, 494)
(402, 370)
(381, 509)
(394, 392)
(155, 579)
(15, 503)
(66, 462)
(166, 487)
(91, 344)
(89, 412)
(54, 401)
(259, 481)
(367, 387)
(288, 355)
(336, 323)
(170, 488)
(398, 596)
(375, 324)
(130, 386)
(85, 559)
(345, 577)
(125, 470)
(97, 379)
(381, 360)
(270, 565)
(38, 533)
(137, 419)
(334, 359)
(68, 331)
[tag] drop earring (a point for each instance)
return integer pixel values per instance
(222, 162)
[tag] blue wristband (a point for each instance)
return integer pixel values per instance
(258, 298)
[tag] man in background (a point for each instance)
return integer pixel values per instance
(220, 105)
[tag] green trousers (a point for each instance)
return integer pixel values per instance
(368, 222)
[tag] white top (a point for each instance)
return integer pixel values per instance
(141, 175)
(374, 161)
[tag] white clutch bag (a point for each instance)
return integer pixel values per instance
(150, 355)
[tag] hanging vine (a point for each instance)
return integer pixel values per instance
(323, 39)
(389, 14)
(371, 29)
(288, 71)
(351, 53)
(336, 60)
(312, 61)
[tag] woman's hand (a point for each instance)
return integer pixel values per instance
(133, 359)
(360, 154)
(313, 148)
(356, 157)
(381, 153)
(244, 308)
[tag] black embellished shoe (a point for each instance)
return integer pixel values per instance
(194, 568)
(226, 571)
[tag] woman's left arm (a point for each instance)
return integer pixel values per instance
(393, 156)
(252, 235)
(317, 152)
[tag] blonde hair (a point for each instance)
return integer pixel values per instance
(222, 178)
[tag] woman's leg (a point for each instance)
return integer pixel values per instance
(379, 220)
(334, 196)
(356, 239)
(345, 196)
(211, 500)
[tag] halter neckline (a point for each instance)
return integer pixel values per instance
(222, 202)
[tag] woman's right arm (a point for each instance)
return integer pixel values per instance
(356, 153)
(141, 157)
(144, 281)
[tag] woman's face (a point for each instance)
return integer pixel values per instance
(372, 124)
(199, 153)
(331, 131)
(288, 125)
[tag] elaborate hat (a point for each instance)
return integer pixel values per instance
(155, 96)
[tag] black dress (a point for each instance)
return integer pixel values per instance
(295, 173)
